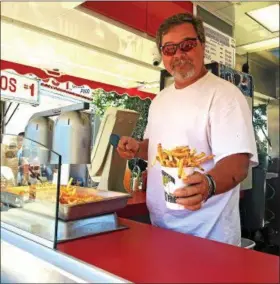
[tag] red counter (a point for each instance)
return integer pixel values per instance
(144, 253)
(136, 206)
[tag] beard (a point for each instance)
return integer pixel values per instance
(182, 68)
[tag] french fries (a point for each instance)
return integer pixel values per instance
(181, 157)
(69, 195)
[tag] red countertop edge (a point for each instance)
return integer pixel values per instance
(147, 254)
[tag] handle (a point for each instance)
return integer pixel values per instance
(114, 140)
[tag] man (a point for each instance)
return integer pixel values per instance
(204, 112)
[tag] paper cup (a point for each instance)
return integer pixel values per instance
(171, 182)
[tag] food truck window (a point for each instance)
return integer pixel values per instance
(24, 112)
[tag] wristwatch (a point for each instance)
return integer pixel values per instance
(211, 186)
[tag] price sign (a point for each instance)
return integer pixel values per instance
(219, 47)
(19, 88)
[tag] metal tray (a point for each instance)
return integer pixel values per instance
(13, 199)
(112, 202)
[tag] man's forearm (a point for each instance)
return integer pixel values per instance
(230, 171)
(143, 150)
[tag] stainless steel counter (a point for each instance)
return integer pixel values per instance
(25, 261)
(19, 266)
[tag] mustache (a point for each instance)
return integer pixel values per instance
(180, 62)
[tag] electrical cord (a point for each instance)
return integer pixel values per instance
(272, 217)
(15, 109)
(7, 109)
(273, 191)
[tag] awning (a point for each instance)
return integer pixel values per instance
(47, 75)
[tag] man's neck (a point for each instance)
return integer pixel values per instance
(190, 81)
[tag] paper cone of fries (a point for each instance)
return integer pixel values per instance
(171, 182)
(176, 164)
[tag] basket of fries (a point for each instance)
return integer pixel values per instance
(176, 164)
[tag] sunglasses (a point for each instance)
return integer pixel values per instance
(34, 168)
(186, 45)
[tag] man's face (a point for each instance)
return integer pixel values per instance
(183, 65)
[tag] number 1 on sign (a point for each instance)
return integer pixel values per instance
(32, 90)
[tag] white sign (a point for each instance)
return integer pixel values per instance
(67, 89)
(219, 47)
(19, 88)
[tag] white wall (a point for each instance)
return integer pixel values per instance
(31, 47)
(80, 26)
(100, 36)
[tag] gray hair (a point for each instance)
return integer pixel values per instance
(179, 19)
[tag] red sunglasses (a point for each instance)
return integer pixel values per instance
(34, 168)
(186, 45)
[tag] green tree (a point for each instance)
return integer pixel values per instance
(260, 127)
(102, 100)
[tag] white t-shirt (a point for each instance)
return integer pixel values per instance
(212, 116)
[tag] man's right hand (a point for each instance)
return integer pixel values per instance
(128, 147)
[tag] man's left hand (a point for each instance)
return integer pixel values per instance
(194, 193)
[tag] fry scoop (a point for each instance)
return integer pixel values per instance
(114, 140)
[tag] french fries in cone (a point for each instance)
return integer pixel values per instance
(181, 157)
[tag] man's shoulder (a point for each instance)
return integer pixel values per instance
(163, 93)
(222, 83)
(223, 88)
(166, 90)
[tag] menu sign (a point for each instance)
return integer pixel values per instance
(219, 47)
(18, 88)
(67, 89)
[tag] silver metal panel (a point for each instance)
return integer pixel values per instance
(40, 130)
(72, 137)
(28, 235)
(16, 200)
(62, 266)
(18, 266)
(90, 226)
(41, 228)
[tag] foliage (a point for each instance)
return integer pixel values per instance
(260, 127)
(102, 100)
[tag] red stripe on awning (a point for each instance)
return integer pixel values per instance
(62, 78)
